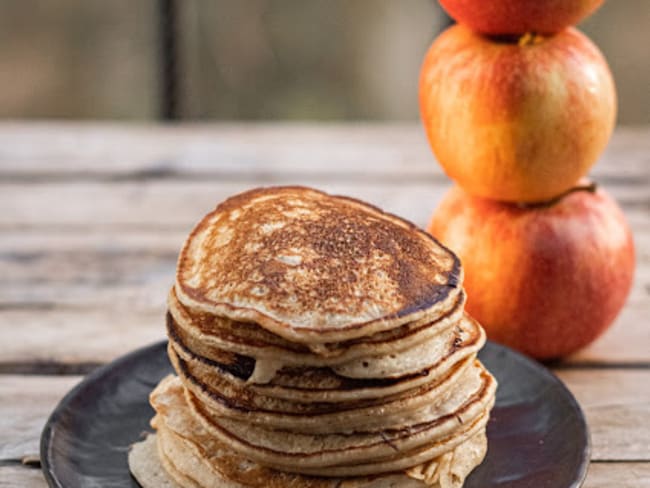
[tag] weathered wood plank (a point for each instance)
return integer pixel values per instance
(21, 477)
(601, 475)
(37, 241)
(50, 340)
(26, 404)
(200, 150)
(176, 205)
(618, 475)
(145, 152)
(626, 342)
(617, 405)
(616, 402)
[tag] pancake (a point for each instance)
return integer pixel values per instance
(357, 453)
(448, 471)
(318, 343)
(208, 335)
(394, 365)
(452, 468)
(407, 461)
(410, 407)
(411, 361)
(146, 467)
(314, 268)
(195, 458)
(308, 390)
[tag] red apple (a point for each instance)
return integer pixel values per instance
(516, 121)
(547, 279)
(519, 16)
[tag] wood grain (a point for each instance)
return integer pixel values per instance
(21, 477)
(617, 405)
(48, 341)
(111, 151)
(26, 404)
(618, 475)
(178, 204)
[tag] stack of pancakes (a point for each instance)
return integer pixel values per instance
(318, 342)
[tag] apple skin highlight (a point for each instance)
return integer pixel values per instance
(519, 16)
(516, 120)
(546, 280)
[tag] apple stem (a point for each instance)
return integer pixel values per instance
(530, 39)
(589, 187)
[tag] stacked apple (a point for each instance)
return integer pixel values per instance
(518, 105)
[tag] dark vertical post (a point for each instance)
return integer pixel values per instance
(169, 59)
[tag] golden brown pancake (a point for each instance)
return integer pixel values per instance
(383, 363)
(319, 343)
(193, 457)
(186, 457)
(314, 268)
(209, 335)
(224, 384)
(392, 412)
(357, 453)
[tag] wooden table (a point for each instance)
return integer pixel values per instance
(92, 217)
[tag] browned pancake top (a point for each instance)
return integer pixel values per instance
(313, 267)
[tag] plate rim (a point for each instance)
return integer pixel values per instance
(46, 439)
(541, 368)
(50, 424)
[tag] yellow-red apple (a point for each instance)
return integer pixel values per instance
(545, 279)
(519, 16)
(516, 120)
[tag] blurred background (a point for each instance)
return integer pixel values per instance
(253, 59)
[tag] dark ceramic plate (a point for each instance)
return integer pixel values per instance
(537, 434)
